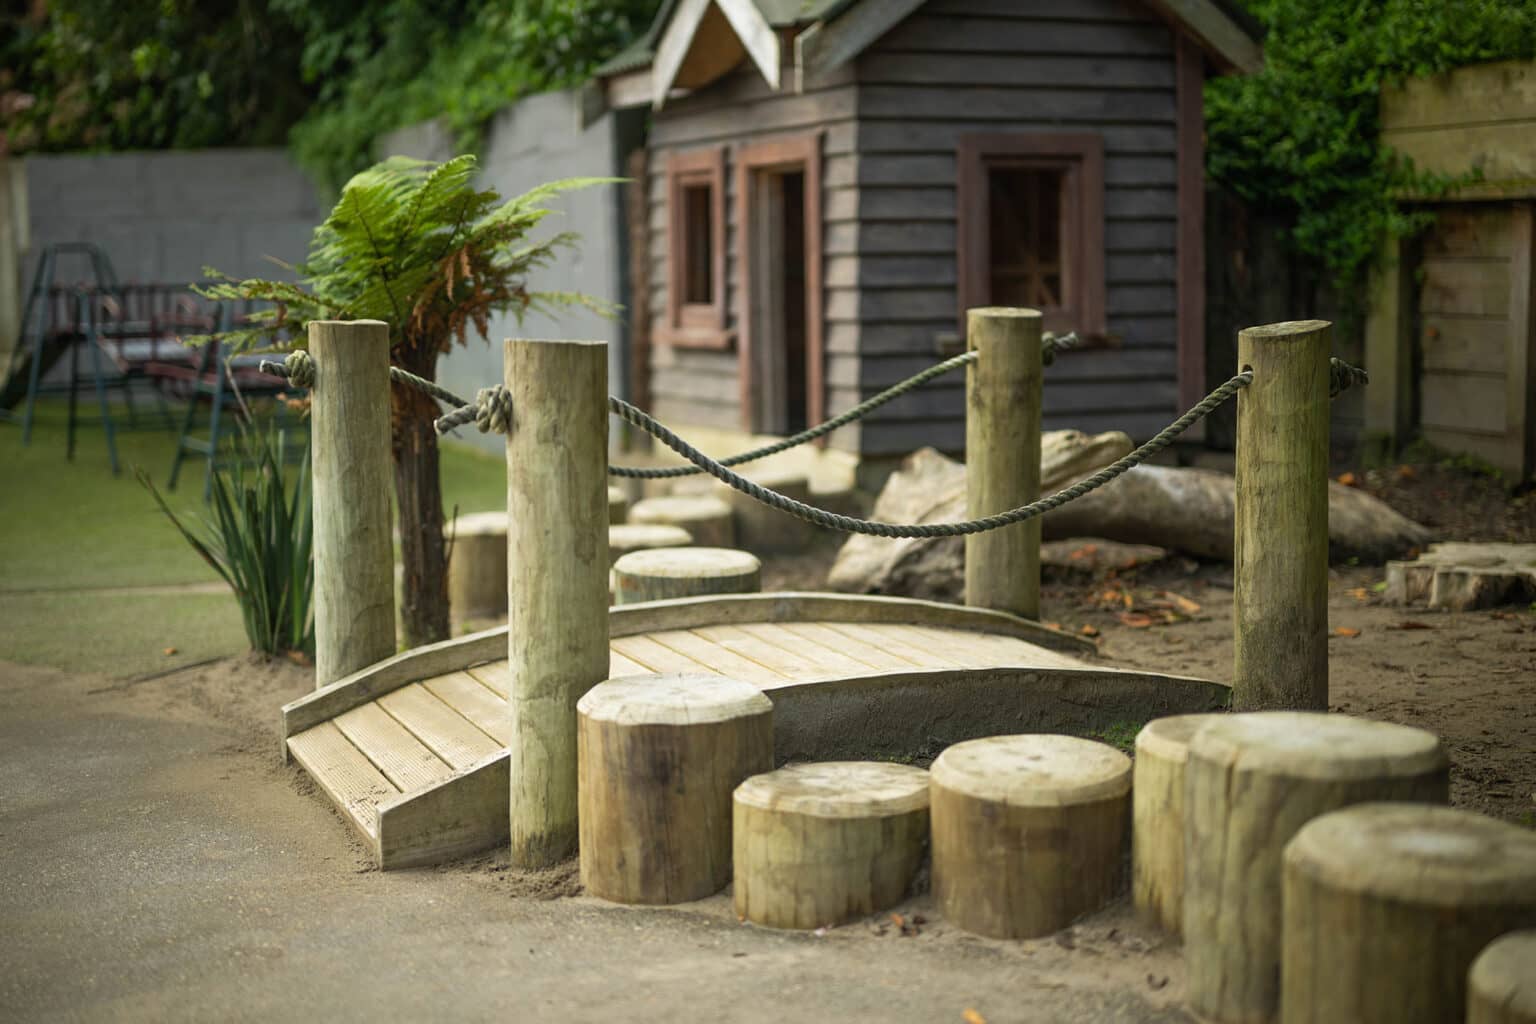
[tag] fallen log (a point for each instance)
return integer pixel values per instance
(1186, 510)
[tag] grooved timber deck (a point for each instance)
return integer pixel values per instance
(412, 750)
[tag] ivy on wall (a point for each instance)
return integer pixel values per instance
(1300, 138)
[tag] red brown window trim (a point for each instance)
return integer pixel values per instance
(697, 324)
(1190, 78)
(805, 151)
(1080, 158)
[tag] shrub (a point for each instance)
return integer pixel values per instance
(258, 537)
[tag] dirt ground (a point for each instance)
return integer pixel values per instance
(161, 863)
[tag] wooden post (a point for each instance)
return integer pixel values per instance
(1387, 906)
(1280, 550)
(1501, 986)
(1250, 783)
(353, 540)
(1002, 457)
(1028, 832)
(1157, 818)
(660, 758)
(557, 578)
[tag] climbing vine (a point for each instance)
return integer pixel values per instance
(1300, 138)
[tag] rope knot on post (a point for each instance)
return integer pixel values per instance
(1342, 376)
(493, 410)
(297, 366)
(1054, 343)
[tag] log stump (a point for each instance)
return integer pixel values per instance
(707, 520)
(1501, 987)
(820, 844)
(1251, 781)
(1028, 832)
(658, 759)
(477, 566)
(618, 504)
(1157, 819)
(684, 572)
(761, 528)
(1387, 905)
(627, 537)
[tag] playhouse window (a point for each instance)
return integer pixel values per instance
(696, 250)
(1031, 226)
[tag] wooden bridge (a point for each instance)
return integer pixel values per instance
(413, 752)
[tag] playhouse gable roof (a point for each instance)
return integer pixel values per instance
(693, 42)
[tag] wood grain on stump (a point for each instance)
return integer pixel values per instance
(627, 537)
(820, 844)
(1157, 819)
(1501, 987)
(1387, 905)
(477, 566)
(684, 572)
(1251, 781)
(707, 519)
(659, 757)
(1028, 832)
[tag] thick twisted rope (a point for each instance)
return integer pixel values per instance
(297, 367)
(848, 524)
(1342, 376)
(1050, 344)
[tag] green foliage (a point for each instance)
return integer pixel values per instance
(414, 244)
(1120, 735)
(1301, 137)
(135, 74)
(259, 538)
(392, 64)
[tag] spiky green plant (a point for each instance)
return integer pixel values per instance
(414, 244)
(258, 536)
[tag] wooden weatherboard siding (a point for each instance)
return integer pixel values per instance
(703, 387)
(959, 67)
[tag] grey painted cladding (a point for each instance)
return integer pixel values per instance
(890, 123)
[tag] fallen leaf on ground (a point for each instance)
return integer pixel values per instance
(169, 651)
(1349, 480)
(1089, 631)
(1183, 604)
(1346, 631)
(1136, 620)
(970, 1016)
(1359, 593)
(1407, 472)
(1053, 625)
(299, 658)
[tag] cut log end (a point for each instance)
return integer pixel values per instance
(820, 844)
(1501, 987)
(1388, 904)
(667, 573)
(627, 537)
(707, 519)
(1320, 746)
(1157, 842)
(658, 758)
(1028, 832)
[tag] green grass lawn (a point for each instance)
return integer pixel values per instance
(68, 527)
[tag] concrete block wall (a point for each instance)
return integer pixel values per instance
(163, 216)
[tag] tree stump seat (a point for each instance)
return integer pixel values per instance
(665, 573)
(1251, 782)
(1387, 905)
(658, 758)
(707, 519)
(819, 844)
(1028, 832)
(1157, 819)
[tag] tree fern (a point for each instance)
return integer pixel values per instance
(416, 245)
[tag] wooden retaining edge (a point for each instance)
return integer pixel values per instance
(880, 716)
(683, 613)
